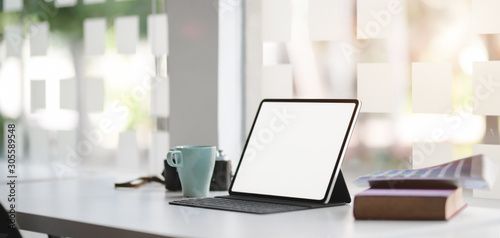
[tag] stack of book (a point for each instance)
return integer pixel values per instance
(433, 193)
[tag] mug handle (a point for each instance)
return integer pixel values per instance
(170, 161)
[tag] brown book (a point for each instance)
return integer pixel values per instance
(408, 204)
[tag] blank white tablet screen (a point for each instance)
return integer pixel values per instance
(293, 149)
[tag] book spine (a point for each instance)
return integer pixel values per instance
(399, 208)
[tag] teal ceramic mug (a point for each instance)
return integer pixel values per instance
(195, 165)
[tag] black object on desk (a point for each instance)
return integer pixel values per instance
(5, 218)
(221, 178)
(256, 205)
(172, 181)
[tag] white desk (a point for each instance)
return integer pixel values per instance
(94, 208)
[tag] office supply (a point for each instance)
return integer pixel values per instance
(127, 34)
(225, 203)
(435, 99)
(94, 36)
(158, 34)
(408, 204)
(431, 193)
(476, 172)
(293, 155)
(195, 165)
(39, 38)
(221, 178)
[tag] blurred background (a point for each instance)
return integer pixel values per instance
(76, 77)
(417, 66)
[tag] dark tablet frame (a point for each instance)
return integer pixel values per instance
(337, 190)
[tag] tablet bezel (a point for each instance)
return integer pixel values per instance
(328, 194)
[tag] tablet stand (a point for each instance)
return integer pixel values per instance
(340, 193)
(340, 196)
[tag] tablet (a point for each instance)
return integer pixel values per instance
(295, 149)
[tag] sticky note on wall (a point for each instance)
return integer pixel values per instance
(14, 40)
(376, 87)
(493, 153)
(485, 16)
(94, 36)
(431, 87)
(486, 88)
(324, 20)
(94, 94)
(65, 3)
(127, 34)
(277, 81)
(158, 34)
(12, 5)
(38, 144)
(158, 151)
(66, 148)
(39, 38)
(426, 154)
(375, 18)
(68, 94)
(128, 151)
(160, 100)
(276, 20)
(93, 1)
(37, 94)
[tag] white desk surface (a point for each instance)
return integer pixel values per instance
(94, 208)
